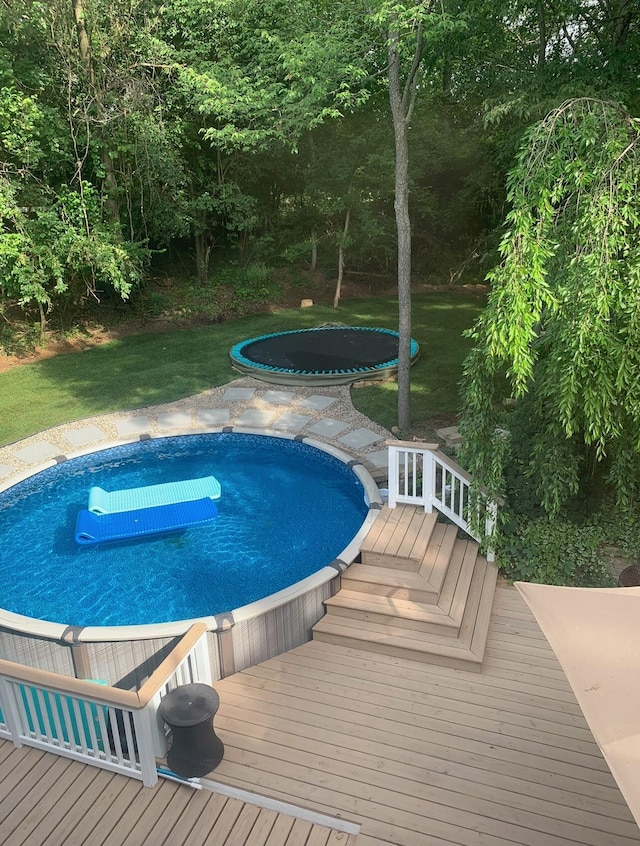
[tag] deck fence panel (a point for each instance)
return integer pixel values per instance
(421, 475)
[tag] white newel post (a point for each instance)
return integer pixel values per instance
(393, 476)
(428, 479)
(491, 515)
(10, 712)
(202, 661)
(144, 737)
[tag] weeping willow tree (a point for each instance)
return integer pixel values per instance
(561, 330)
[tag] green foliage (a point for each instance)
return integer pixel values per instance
(620, 530)
(554, 551)
(251, 284)
(562, 322)
(241, 125)
(61, 247)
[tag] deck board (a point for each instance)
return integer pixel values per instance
(427, 754)
(59, 802)
(416, 754)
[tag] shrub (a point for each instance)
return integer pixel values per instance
(555, 551)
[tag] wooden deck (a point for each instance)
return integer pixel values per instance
(51, 801)
(427, 755)
(419, 755)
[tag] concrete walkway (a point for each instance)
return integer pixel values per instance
(325, 413)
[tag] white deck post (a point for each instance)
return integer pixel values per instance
(9, 711)
(202, 661)
(491, 515)
(428, 479)
(393, 475)
(144, 737)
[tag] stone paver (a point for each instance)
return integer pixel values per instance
(37, 452)
(84, 435)
(245, 403)
(133, 425)
(360, 438)
(318, 402)
(379, 459)
(255, 417)
(175, 420)
(213, 416)
(277, 397)
(328, 428)
(291, 422)
(450, 435)
(234, 394)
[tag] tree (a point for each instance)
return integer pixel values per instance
(56, 242)
(561, 330)
(402, 98)
(411, 29)
(254, 78)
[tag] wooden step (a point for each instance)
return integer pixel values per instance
(415, 645)
(483, 617)
(437, 614)
(399, 538)
(390, 583)
(385, 610)
(417, 639)
(435, 562)
(455, 589)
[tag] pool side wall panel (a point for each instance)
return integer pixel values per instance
(278, 630)
(37, 652)
(127, 664)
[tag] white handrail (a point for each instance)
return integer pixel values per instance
(115, 729)
(419, 474)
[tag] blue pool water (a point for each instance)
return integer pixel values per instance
(286, 510)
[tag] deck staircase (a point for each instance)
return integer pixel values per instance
(421, 592)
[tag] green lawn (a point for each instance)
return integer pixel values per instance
(148, 369)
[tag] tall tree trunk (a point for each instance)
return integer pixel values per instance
(110, 182)
(43, 322)
(84, 47)
(203, 245)
(343, 239)
(313, 237)
(401, 99)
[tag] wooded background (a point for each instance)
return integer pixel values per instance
(262, 132)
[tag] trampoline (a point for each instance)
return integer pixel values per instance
(329, 355)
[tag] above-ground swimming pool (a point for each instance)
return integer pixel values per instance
(327, 355)
(287, 510)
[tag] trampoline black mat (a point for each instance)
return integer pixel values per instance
(335, 354)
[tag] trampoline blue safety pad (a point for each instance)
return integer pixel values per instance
(327, 355)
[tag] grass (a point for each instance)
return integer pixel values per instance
(142, 370)
(438, 323)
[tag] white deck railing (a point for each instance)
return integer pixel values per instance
(115, 729)
(419, 474)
